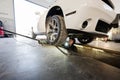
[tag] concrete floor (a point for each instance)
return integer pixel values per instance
(110, 45)
(27, 60)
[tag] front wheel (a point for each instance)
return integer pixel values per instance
(55, 30)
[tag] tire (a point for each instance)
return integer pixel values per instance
(85, 39)
(56, 30)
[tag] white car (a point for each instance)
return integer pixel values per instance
(81, 19)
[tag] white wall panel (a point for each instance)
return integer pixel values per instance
(7, 14)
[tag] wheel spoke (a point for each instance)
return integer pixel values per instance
(55, 26)
(53, 37)
(53, 30)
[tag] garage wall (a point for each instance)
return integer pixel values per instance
(26, 16)
(7, 14)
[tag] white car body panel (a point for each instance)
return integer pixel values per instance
(90, 10)
(41, 22)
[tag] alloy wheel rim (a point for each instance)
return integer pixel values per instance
(53, 30)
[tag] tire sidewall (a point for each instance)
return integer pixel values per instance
(61, 24)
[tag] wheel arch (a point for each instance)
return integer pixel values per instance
(56, 10)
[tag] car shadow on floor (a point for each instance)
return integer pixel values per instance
(101, 55)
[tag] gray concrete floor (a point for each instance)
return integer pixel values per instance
(110, 45)
(27, 60)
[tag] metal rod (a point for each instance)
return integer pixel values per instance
(19, 34)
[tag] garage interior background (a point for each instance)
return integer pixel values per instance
(19, 15)
(7, 15)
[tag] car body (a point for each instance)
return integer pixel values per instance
(82, 19)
